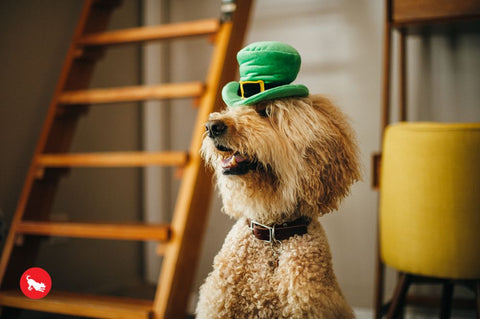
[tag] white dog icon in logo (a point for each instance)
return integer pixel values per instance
(35, 283)
(37, 286)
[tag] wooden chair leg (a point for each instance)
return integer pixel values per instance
(477, 288)
(399, 295)
(447, 295)
(379, 287)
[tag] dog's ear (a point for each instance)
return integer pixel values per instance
(332, 160)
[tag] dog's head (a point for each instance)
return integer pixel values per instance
(281, 159)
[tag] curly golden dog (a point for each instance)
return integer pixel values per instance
(280, 163)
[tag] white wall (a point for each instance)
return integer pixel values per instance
(444, 73)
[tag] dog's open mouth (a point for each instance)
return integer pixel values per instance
(234, 163)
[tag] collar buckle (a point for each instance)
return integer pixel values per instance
(271, 230)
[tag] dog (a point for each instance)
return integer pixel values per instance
(282, 158)
(33, 285)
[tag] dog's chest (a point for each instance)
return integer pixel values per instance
(246, 258)
(252, 280)
(251, 273)
(248, 271)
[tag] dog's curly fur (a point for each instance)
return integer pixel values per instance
(299, 159)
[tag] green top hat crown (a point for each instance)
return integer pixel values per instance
(266, 71)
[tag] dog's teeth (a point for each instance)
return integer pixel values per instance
(240, 158)
(232, 161)
(229, 162)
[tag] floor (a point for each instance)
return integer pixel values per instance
(359, 313)
(145, 291)
(419, 313)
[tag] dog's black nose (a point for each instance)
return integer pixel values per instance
(215, 128)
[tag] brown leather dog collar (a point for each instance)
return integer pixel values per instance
(279, 232)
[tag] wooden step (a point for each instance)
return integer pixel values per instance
(114, 159)
(150, 33)
(132, 93)
(80, 305)
(119, 231)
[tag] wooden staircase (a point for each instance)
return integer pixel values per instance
(181, 239)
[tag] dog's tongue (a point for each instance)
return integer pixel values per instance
(233, 161)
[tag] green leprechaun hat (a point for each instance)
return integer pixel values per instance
(267, 70)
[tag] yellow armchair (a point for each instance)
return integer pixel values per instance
(430, 205)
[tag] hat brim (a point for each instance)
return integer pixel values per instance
(231, 98)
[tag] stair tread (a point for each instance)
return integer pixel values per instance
(113, 159)
(132, 93)
(150, 33)
(99, 230)
(80, 305)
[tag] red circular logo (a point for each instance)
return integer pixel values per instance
(35, 283)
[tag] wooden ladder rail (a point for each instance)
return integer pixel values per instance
(189, 221)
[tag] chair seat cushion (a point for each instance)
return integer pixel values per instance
(430, 199)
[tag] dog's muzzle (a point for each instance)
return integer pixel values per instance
(232, 162)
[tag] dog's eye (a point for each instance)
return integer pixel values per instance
(262, 111)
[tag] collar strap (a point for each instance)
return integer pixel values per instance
(279, 232)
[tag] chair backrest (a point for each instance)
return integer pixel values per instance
(430, 199)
